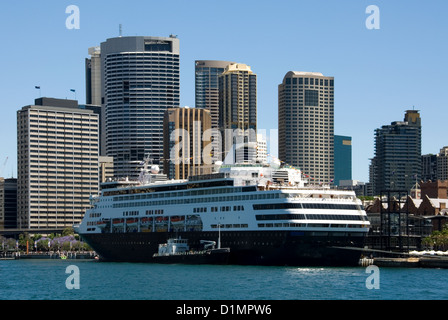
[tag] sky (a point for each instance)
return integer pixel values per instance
(379, 73)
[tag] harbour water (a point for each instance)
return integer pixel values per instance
(56, 280)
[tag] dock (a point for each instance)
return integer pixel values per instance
(410, 262)
(54, 255)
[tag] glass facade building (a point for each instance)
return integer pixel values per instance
(342, 159)
(140, 81)
(207, 74)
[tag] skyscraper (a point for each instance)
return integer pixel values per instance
(207, 74)
(442, 164)
(186, 145)
(8, 203)
(397, 164)
(140, 80)
(238, 113)
(57, 163)
(93, 76)
(306, 124)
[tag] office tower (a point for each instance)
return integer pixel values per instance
(306, 124)
(442, 164)
(207, 74)
(429, 167)
(98, 109)
(342, 159)
(57, 163)
(93, 92)
(140, 80)
(93, 76)
(187, 143)
(238, 113)
(398, 162)
(8, 203)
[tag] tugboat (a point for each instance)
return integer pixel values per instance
(176, 250)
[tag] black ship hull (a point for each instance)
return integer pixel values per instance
(292, 248)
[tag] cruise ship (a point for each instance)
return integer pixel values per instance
(265, 214)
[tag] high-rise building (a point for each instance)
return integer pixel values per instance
(93, 76)
(98, 109)
(306, 124)
(8, 203)
(93, 92)
(442, 164)
(238, 113)
(429, 167)
(342, 159)
(207, 74)
(187, 143)
(140, 80)
(398, 161)
(57, 163)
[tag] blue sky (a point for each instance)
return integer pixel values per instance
(378, 73)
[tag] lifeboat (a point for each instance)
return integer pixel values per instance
(131, 221)
(146, 220)
(101, 224)
(117, 222)
(177, 219)
(161, 220)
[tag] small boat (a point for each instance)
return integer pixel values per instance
(131, 222)
(177, 219)
(117, 222)
(102, 224)
(177, 250)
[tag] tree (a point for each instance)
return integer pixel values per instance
(68, 231)
(438, 240)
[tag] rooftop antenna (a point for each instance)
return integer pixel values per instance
(120, 30)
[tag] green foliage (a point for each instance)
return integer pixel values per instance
(68, 231)
(438, 240)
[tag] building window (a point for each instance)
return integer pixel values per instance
(311, 97)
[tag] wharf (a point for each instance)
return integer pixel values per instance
(69, 256)
(410, 262)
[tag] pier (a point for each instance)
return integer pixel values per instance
(408, 262)
(50, 255)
